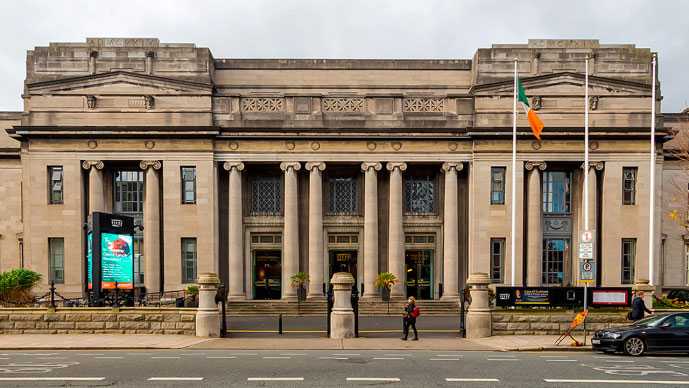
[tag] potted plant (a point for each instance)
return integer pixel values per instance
(298, 281)
(16, 285)
(385, 281)
(191, 296)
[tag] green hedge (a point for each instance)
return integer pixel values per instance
(16, 285)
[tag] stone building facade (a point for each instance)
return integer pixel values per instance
(260, 168)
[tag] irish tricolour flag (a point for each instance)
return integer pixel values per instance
(534, 121)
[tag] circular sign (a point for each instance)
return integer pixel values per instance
(587, 267)
(587, 236)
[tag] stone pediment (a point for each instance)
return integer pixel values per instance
(119, 83)
(564, 84)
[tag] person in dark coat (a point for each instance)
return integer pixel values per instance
(409, 318)
(638, 307)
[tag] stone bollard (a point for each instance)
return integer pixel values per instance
(207, 315)
(342, 316)
(643, 285)
(479, 318)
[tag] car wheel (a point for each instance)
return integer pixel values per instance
(634, 346)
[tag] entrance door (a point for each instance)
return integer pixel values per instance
(419, 273)
(343, 261)
(267, 274)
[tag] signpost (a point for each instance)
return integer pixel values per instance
(587, 267)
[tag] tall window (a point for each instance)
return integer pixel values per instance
(557, 192)
(497, 259)
(554, 252)
(343, 195)
(266, 193)
(56, 260)
(55, 185)
(419, 195)
(629, 185)
(497, 185)
(128, 199)
(188, 175)
(628, 260)
(188, 260)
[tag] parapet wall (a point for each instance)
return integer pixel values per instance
(551, 322)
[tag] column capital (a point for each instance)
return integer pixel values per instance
(228, 166)
(87, 164)
(365, 166)
(285, 166)
(449, 166)
(530, 165)
(155, 164)
(315, 165)
(391, 166)
(597, 165)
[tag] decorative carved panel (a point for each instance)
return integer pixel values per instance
(424, 105)
(263, 104)
(557, 226)
(302, 104)
(344, 104)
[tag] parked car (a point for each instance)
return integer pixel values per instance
(666, 333)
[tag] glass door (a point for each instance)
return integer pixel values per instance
(419, 270)
(267, 274)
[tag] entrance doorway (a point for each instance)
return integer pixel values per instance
(419, 270)
(343, 261)
(267, 274)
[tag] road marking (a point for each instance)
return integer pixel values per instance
(277, 358)
(444, 359)
(449, 355)
(293, 354)
(220, 357)
(665, 382)
(243, 354)
(109, 358)
(388, 379)
(333, 358)
(676, 362)
(165, 357)
(175, 379)
(453, 380)
(90, 354)
(275, 379)
(561, 360)
(620, 361)
(388, 358)
(52, 378)
(502, 359)
(397, 355)
(37, 354)
(553, 356)
(346, 354)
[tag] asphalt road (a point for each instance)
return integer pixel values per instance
(213, 368)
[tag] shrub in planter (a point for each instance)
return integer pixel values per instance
(191, 295)
(16, 285)
(385, 281)
(299, 281)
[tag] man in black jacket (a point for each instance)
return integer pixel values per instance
(638, 307)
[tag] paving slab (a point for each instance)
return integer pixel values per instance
(97, 341)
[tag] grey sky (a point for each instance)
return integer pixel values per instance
(349, 29)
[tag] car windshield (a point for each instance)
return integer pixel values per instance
(651, 321)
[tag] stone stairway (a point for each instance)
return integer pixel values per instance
(318, 307)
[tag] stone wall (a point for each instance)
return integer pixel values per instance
(93, 320)
(551, 322)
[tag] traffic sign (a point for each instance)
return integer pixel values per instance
(586, 250)
(587, 270)
(587, 236)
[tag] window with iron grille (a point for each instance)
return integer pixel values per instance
(497, 259)
(266, 194)
(419, 195)
(555, 250)
(188, 260)
(343, 196)
(629, 185)
(628, 260)
(55, 185)
(56, 259)
(188, 175)
(557, 192)
(497, 185)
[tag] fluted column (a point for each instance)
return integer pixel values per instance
(534, 247)
(315, 229)
(451, 232)
(152, 225)
(396, 228)
(290, 235)
(235, 228)
(370, 170)
(96, 192)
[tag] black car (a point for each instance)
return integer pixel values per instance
(658, 333)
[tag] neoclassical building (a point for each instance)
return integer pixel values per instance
(260, 168)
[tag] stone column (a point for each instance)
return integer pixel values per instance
(370, 227)
(315, 229)
(235, 231)
(152, 225)
(396, 229)
(96, 189)
(450, 232)
(479, 318)
(342, 315)
(207, 315)
(534, 247)
(290, 235)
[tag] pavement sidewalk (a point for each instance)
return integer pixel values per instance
(149, 341)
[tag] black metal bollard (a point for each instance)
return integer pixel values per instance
(440, 290)
(221, 297)
(280, 324)
(52, 293)
(116, 302)
(462, 327)
(355, 307)
(330, 303)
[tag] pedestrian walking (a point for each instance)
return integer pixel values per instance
(638, 307)
(411, 312)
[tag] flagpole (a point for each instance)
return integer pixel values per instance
(586, 147)
(514, 176)
(652, 165)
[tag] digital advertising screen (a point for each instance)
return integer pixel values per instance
(89, 259)
(117, 260)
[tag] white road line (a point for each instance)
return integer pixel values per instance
(218, 357)
(452, 380)
(398, 355)
(175, 379)
(243, 354)
(676, 362)
(277, 358)
(561, 360)
(449, 355)
(52, 378)
(388, 379)
(444, 359)
(109, 358)
(37, 354)
(553, 356)
(275, 379)
(620, 361)
(388, 358)
(333, 358)
(502, 359)
(90, 354)
(166, 357)
(346, 354)
(139, 354)
(293, 354)
(51, 358)
(664, 382)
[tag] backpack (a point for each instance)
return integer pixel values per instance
(416, 312)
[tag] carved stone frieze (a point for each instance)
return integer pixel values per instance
(593, 102)
(423, 105)
(262, 104)
(91, 102)
(344, 104)
(556, 226)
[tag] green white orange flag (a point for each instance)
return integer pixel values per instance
(534, 121)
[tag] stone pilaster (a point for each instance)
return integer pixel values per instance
(96, 183)
(152, 225)
(290, 235)
(370, 170)
(235, 231)
(396, 228)
(534, 248)
(315, 229)
(451, 232)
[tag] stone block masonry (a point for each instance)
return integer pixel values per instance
(551, 322)
(95, 320)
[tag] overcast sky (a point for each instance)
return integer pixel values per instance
(349, 29)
